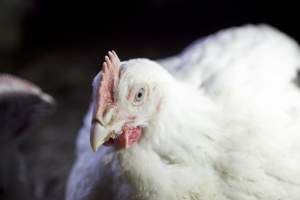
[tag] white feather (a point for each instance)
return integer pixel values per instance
(228, 127)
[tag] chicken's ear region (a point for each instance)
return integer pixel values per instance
(108, 85)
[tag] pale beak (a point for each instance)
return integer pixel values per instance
(102, 130)
(97, 136)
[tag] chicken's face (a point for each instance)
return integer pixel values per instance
(126, 98)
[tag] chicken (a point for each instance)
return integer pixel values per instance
(21, 105)
(220, 121)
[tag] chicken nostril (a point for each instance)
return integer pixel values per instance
(108, 117)
(95, 120)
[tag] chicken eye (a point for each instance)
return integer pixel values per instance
(139, 96)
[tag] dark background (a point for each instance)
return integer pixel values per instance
(59, 44)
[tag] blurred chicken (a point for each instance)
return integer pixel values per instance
(22, 104)
(222, 123)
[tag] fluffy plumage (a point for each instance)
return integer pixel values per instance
(22, 104)
(224, 126)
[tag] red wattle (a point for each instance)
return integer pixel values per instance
(129, 136)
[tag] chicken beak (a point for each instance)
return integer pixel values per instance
(99, 135)
(97, 138)
(102, 130)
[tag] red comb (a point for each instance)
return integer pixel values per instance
(111, 68)
(109, 82)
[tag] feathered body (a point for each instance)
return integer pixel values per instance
(22, 105)
(226, 126)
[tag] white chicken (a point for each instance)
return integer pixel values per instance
(221, 123)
